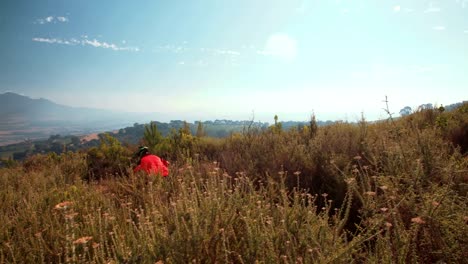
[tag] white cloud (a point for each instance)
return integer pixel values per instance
(40, 21)
(94, 43)
(62, 19)
(51, 19)
(439, 28)
(203, 56)
(222, 52)
(399, 8)
(226, 52)
(280, 45)
(45, 40)
(466, 31)
(171, 48)
(57, 41)
(105, 45)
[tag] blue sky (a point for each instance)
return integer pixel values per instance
(214, 59)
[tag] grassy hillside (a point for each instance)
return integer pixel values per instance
(387, 192)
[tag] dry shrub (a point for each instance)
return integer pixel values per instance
(262, 196)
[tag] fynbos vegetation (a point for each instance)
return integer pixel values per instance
(388, 192)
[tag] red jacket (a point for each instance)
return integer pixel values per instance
(153, 164)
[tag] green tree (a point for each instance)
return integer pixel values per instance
(277, 127)
(151, 136)
(186, 129)
(75, 140)
(200, 130)
(313, 126)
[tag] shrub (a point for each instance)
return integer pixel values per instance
(267, 196)
(110, 159)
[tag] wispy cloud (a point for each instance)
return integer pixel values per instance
(98, 44)
(439, 28)
(200, 56)
(399, 8)
(172, 48)
(183, 48)
(62, 19)
(85, 42)
(466, 31)
(71, 42)
(432, 9)
(51, 19)
(223, 52)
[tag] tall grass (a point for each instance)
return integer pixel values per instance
(389, 192)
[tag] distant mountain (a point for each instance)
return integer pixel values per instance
(22, 117)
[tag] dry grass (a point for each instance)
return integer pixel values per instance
(377, 193)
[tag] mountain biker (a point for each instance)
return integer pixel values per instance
(151, 163)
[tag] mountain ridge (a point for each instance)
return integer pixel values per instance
(23, 117)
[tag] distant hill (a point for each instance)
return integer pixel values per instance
(407, 110)
(22, 117)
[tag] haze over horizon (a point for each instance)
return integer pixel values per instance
(213, 59)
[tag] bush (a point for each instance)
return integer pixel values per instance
(110, 159)
(393, 191)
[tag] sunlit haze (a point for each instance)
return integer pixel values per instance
(220, 59)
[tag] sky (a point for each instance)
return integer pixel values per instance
(237, 59)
